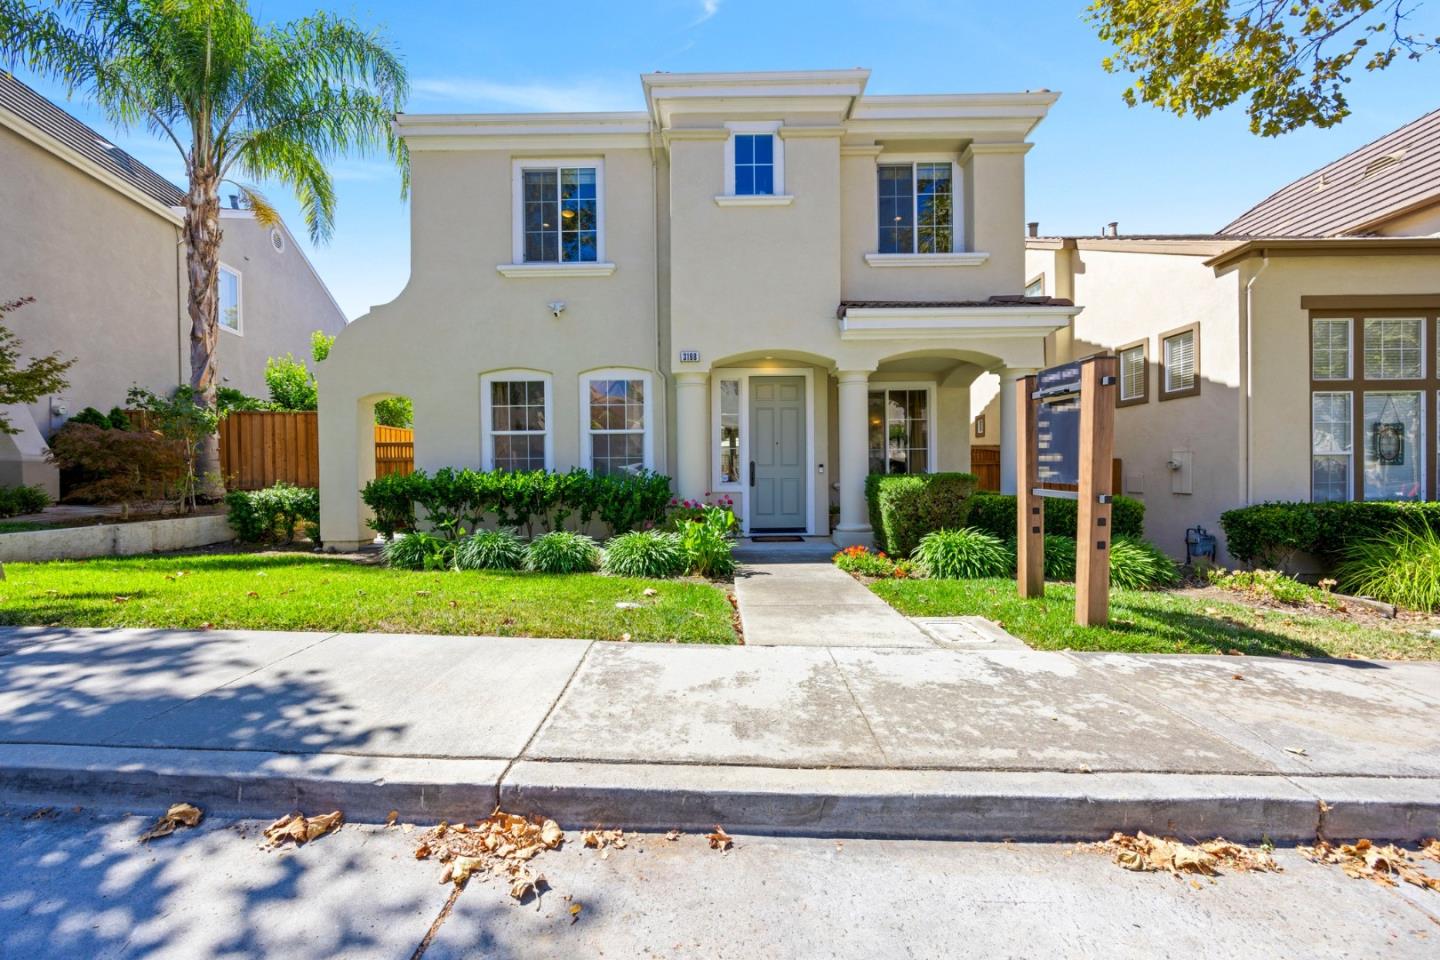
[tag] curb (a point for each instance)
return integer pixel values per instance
(899, 804)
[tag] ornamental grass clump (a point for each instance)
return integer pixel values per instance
(562, 552)
(1137, 565)
(490, 550)
(649, 554)
(1059, 557)
(1400, 567)
(964, 554)
(419, 551)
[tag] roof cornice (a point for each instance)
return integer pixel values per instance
(1327, 246)
(508, 131)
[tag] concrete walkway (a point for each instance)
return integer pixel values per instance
(901, 742)
(791, 594)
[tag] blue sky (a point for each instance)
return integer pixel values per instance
(1095, 160)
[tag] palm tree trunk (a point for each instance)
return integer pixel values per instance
(202, 264)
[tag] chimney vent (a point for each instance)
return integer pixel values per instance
(1112, 229)
(234, 201)
(1032, 229)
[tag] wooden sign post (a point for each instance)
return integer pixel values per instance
(1065, 436)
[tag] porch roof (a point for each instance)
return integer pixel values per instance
(1018, 302)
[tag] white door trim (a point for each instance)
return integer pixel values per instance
(743, 374)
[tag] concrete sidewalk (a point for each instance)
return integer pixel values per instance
(814, 740)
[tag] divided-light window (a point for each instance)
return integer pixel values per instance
(916, 207)
(561, 215)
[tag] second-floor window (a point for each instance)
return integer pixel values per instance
(561, 213)
(754, 164)
(917, 207)
(230, 299)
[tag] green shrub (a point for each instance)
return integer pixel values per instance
(1138, 565)
(228, 400)
(1270, 534)
(16, 501)
(292, 387)
(392, 501)
(91, 417)
(119, 419)
(1059, 557)
(1401, 566)
(864, 562)
(995, 513)
(561, 551)
(272, 514)
(490, 550)
(645, 553)
(419, 551)
(709, 550)
(630, 500)
(1266, 534)
(964, 554)
(1270, 583)
(905, 507)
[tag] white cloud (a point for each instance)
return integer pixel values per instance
(708, 9)
(542, 97)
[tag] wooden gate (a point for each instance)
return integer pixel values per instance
(259, 448)
(985, 464)
(394, 450)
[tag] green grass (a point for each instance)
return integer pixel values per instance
(292, 591)
(23, 526)
(1158, 622)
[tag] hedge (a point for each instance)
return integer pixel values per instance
(905, 507)
(15, 501)
(456, 501)
(1268, 533)
(273, 514)
(995, 513)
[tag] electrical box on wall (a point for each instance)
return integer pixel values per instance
(1182, 464)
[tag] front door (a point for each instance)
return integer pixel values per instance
(777, 453)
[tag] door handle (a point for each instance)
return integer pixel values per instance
(752, 473)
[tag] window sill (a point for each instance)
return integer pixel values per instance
(926, 259)
(754, 200)
(233, 331)
(556, 269)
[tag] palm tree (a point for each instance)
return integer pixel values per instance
(237, 99)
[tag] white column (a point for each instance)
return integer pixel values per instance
(347, 463)
(854, 432)
(1008, 377)
(692, 434)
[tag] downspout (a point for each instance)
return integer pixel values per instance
(180, 377)
(664, 392)
(1247, 365)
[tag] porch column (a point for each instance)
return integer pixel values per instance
(1008, 376)
(854, 432)
(692, 434)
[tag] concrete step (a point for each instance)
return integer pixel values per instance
(913, 804)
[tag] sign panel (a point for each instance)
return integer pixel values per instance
(1062, 379)
(689, 356)
(1058, 455)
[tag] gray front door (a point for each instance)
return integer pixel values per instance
(777, 453)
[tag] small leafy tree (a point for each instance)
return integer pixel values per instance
(109, 465)
(1290, 58)
(291, 385)
(25, 382)
(185, 421)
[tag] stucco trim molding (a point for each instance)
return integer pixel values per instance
(1379, 301)
(801, 133)
(588, 269)
(755, 200)
(899, 323)
(964, 259)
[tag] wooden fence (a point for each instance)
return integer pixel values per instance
(261, 448)
(985, 464)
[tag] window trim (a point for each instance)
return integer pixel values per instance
(487, 420)
(1144, 345)
(1358, 360)
(1193, 390)
(959, 253)
(1349, 394)
(932, 446)
(1038, 278)
(1349, 353)
(586, 459)
(518, 266)
(778, 194)
(239, 328)
(741, 491)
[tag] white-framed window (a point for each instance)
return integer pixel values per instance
(1134, 372)
(616, 421)
(901, 428)
(1394, 440)
(1180, 362)
(1330, 348)
(231, 313)
(1332, 460)
(917, 203)
(1036, 287)
(728, 462)
(754, 160)
(559, 211)
(1394, 348)
(515, 421)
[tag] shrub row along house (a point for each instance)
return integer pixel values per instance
(765, 285)
(94, 236)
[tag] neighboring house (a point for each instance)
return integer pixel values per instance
(765, 285)
(95, 237)
(1290, 356)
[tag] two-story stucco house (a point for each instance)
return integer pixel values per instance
(94, 235)
(766, 285)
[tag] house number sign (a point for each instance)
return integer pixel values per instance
(689, 356)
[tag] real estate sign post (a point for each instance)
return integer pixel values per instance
(1065, 438)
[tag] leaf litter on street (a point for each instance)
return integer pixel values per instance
(179, 815)
(299, 829)
(1144, 853)
(499, 846)
(1384, 864)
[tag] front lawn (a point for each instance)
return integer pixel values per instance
(1162, 622)
(294, 591)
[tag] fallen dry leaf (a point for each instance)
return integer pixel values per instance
(1364, 860)
(121, 599)
(391, 818)
(720, 840)
(672, 835)
(300, 829)
(575, 909)
(602, 840)
(179, 815)
(1145, 853)
(1298, 751)
(650, 592)
(501, 845)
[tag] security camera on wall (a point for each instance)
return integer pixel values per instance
(557, 307)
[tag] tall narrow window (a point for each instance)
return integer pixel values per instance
(1330, 348)
(1331, 444)
(515, 414)
(1393, 435)
(754, 164)
(230, 299)
(561, 215)
(1180, 360)
(899, 431)
(1134, 373)
(729, 431)
(916, 207)
(616, 421)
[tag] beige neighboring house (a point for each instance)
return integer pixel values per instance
(764, 285)
(94, 236)
(1290, 356)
